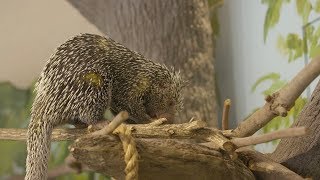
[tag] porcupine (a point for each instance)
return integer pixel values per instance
(87, 75)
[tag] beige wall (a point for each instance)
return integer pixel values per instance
(29, 33)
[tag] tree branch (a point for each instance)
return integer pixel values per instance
(225, 114)
(280, 102)
(57, 134)
(117, 120)
(171, 158)
(263, 138)
(264, 167)
(194, 129)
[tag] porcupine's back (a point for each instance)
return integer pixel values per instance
(83, 71)
(76, 78)
(95, 71)
(72, 88)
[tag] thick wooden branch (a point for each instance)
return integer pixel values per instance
(264, 167)
(192, 130)
(280, 102)
(178, 159)
(171, 158)
(195, 130)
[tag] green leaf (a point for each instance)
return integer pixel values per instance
(282, 45)
(292, 46)
(297, 53)
(304, 8)
(314, 51)
(272, 16)
(297, 108)
(268, 2)
(215, 23)
(275, 86)
(309, 32)
(314, 37)
(271, 76)
(317, 6)
(214, 2)
(293, 41)
(274, 124)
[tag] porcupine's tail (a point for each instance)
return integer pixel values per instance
(38, 147)
(38, 141)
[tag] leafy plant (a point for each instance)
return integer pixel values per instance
(214, 22)
(14, 113)
(293, 46)
(272, 15)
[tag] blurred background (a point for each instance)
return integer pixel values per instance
(259, 46)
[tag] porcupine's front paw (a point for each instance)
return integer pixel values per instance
(80, 125)
(99, 125)
(158, 122)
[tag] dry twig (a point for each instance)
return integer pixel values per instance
(117, 120)
(225, 114)
(263, 138)
(236, 143)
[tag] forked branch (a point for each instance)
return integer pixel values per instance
(279, 103)
(236, 143)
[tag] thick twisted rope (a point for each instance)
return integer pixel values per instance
(130, 150)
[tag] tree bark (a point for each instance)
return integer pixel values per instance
(176, 33)
(264, 167)
(302, 154)
(174, 159)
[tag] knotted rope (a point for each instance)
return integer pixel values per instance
(130, 150)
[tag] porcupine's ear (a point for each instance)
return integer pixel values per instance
(179, 84)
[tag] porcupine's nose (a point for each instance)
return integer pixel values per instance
(168, 116)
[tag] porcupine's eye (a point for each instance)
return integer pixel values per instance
(171, 103)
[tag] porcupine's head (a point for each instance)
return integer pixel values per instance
(164, 99)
